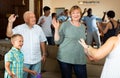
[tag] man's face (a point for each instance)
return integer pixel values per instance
(47, 12)
(31, 20)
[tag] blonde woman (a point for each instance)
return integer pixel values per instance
(70, 54)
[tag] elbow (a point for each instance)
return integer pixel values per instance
(8, 35)
(97, 57)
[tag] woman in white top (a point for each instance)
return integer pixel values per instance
(110, 50)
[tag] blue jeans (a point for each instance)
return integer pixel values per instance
(36, 67)
(66, 70)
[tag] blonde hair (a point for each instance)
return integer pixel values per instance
(74, 8)
(14, 36)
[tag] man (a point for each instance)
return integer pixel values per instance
(45, 22)
(34, 39)
(92, 30)
(64, 17)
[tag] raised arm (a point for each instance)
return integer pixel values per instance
(85, 10)
(55, 23)
(11, 19)
(104, 14)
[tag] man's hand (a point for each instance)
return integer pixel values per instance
(33, 72)
(12, 18)
(43, 58)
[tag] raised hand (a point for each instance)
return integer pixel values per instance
(55, 23)
(42, 21)
(12, 18)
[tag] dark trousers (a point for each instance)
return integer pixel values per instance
(66, 70)
(50, 41)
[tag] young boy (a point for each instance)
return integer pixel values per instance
(14, 59)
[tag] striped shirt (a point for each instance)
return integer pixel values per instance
(15, 57)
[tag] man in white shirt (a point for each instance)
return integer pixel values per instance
(34, 41)
(45, 22)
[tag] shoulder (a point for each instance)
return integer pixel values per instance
(20, 26)
(9, 54)
(37, 27)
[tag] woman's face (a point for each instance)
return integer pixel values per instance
(75, 15)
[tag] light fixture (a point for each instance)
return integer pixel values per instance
(88, 2)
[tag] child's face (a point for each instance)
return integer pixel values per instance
(17, 42)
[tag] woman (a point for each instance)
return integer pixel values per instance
(111, 26)
(110, 50)
(70, 54)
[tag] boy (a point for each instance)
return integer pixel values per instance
(14, 59)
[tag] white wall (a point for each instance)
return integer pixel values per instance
(31, 5)
(98, 9)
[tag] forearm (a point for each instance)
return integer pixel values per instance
(43, 48)
(91, 52)
(56, 35)
(26, 70)
(9, 29)
(7, 68)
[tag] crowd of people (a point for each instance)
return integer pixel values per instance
(29, 42)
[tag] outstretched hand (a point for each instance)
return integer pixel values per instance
(82, 42)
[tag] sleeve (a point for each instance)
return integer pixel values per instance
(16, 30)
(9, 57)
(98, 19)
(61, 33)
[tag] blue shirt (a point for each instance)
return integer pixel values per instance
(15, 57)
(91, 22)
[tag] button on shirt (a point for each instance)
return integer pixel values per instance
(31, 46)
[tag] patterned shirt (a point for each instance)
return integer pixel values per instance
(15, 57)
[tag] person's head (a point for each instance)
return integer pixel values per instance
(66, 12)
(29, 18)
(54, 15)
(89, 11)
(75, 12)
(46, 10)
(110, 14)
(17, 41)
